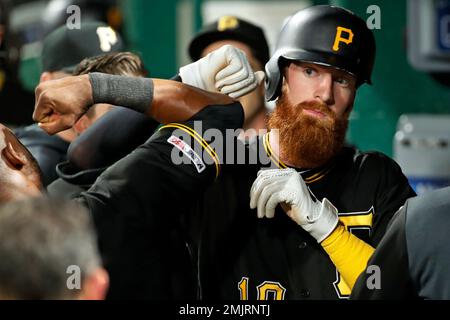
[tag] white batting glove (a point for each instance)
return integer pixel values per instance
(225, 70)
(275, 186)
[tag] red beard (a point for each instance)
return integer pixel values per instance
(306, 141)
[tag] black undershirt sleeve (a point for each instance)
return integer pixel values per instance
(109, 139)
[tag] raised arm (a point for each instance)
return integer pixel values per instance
(60, 103)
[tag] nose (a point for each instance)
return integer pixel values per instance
(324, 91)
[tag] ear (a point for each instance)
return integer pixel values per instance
(13, 158)
(45, 76)
(95, 286)
(81, 125)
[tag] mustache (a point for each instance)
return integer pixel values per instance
(315, 106)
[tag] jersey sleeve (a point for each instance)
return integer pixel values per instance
(136, 204)
(168, 171)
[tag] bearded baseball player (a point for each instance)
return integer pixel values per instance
(328, 204)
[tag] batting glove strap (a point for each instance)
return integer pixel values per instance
(322, 223)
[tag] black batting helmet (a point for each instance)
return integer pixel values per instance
(324, 35)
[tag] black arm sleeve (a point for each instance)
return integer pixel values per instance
(110, 138)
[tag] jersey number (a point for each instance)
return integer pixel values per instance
(266, 290)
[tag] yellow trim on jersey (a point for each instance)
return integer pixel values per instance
(194, 134)
(348, 253)
(319, 175)
(213, 153)
(271, 154)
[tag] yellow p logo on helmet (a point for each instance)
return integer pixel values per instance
(338, 38)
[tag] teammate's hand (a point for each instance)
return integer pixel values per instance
(225, 70)
(286, 187)
(60, 103)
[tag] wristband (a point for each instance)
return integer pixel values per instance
(131, 92)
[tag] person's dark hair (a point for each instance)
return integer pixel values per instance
(119, 63)
(42, 243)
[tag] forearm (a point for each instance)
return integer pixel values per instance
(348, 253)
(175, 101)
(163, 100)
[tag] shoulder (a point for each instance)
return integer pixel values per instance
(63, 189)
(371, 162)
(429, 209)
(375, 172)
(83, 178)
(232, 115)
(434, 200)
(371, 158)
